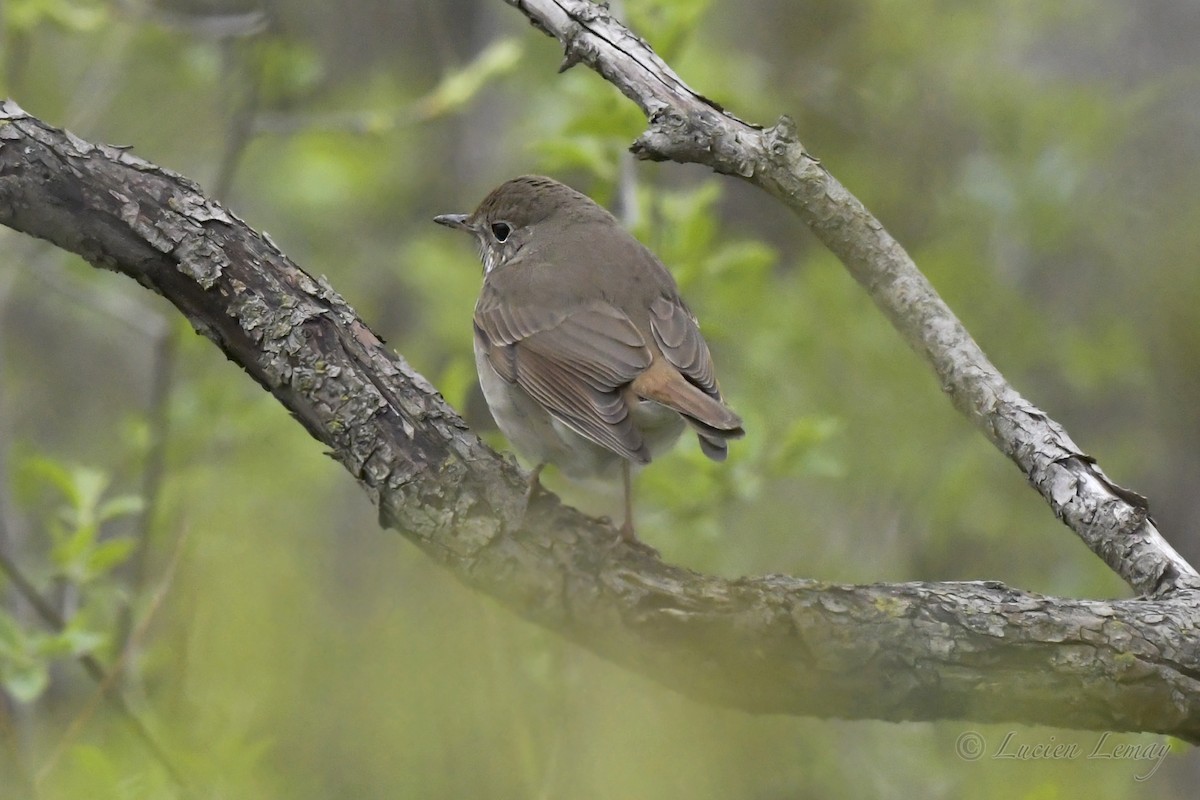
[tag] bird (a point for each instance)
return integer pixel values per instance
(587, 355)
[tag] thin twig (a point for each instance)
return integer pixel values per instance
(9, 723)
(241, 129)
(155, 465)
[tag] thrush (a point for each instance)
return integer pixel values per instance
(588, 357)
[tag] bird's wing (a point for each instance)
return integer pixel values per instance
(691, 386)
(678, 336)
(574, 362)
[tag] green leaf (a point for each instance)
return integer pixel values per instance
(458, 88)
(289, 68)
(741, 259)
(668, 25)
(80, 487)
(124, 505)
(74, 640)
(591, 154)
(69, 553)
(90, 484)
(36, 472)
(22, 672)
(108, 554)
(25, 681)
(24, 15)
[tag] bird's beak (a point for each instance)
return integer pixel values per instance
(453, 221)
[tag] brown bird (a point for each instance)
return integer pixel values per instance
(588, 357)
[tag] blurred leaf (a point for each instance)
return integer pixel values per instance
(458, 88)
(124, 505)
(596, 110)
(668, 24)
(75, 15)
(802, 450)
(89, 485)
(36, 472)
(71, 550)
(590, 154)
(22, 672)
(108, 554)
(741, 260)
(74, 640)
(288, 68)
(25, 680)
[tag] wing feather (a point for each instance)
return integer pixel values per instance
(573, 362)
(599, 416)
(678, 336)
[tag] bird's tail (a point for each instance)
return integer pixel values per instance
(714, 422)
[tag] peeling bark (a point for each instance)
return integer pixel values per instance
(774, 644)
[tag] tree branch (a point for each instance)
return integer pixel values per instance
(687, 127)
(771, 644)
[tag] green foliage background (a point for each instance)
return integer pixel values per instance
(1038, 161)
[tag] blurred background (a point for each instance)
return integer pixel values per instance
(1038, 160)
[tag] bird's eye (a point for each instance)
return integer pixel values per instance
(501, 230)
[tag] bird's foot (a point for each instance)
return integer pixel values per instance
(629, 539)
(534, 487)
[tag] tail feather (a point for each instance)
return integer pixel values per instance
(714, 422)
(716, 449)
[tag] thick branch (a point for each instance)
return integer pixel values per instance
(771, 644)
(684, 126)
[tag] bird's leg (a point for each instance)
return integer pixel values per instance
(627, 534)
(532, 488)
(535, 483)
